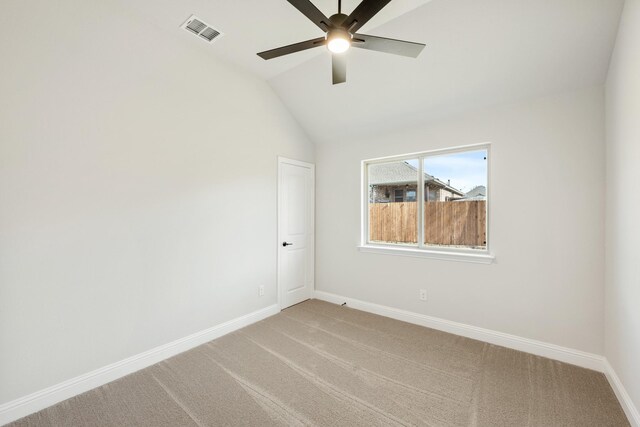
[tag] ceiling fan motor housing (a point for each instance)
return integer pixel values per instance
(338, 19)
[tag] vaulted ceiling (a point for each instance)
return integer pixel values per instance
(479, 53)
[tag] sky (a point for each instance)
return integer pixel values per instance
(465, 170)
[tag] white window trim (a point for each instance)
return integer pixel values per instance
(481, 256)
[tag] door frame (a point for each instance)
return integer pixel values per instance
(312, 167)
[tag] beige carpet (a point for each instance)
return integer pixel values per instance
(322, 364)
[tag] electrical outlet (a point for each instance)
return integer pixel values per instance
(261, 290)
(423, 294)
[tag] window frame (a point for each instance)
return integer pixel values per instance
(482, 256)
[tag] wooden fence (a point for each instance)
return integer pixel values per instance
(445, 223)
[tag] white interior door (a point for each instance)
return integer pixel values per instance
(296, 199)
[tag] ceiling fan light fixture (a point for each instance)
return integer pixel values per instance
(338, 41)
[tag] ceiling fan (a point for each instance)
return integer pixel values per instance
(341, 34)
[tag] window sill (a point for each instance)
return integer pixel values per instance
(479, 258)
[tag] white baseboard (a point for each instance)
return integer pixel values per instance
(39, 400)
(621, 393)
(552, 351)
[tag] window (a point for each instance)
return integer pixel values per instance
(452, 220)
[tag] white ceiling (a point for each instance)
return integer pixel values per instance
(479, 53)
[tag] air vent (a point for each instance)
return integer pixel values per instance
(201, 29)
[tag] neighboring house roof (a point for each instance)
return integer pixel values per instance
(476, 193)
(399, 173)
(393, 173)
(479, 190)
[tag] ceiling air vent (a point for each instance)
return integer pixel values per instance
(199, 28)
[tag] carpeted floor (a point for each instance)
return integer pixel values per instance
(321, 364)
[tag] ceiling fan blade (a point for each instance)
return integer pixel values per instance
(339, 68)
(363, 13)
(310, 11)
(381, 44)
(292, 48)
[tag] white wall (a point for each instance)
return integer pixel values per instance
(137, 189)
(623, 204)
(547, 224)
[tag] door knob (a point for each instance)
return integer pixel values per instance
(286, 244)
